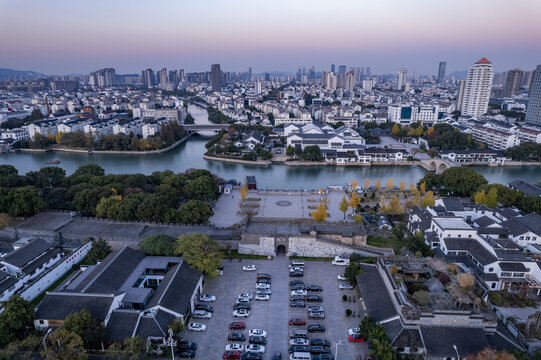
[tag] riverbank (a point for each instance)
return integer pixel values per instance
(238, 161)
(360, 164)
(127, 152)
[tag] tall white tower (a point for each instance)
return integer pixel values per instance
(477, 89)
(402, 78)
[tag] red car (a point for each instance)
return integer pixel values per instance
(237, 325)
(297, 321)
(231, 355)
(356, 338)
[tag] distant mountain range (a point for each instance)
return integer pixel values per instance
(11, 74)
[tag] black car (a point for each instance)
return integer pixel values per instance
(315, 328)
(297, 287)
(314, 298)
(296, 273)
(263, 281)
(277, 356)
(183, 345)
(236, 337)
(260, 340)
(323, 357)
(204, 307)
(297, 297)
(316, 315)
(297, 303)
(251, 356)
(320, 350)
(245, 306)
(263, 276)
(295, 282)
(314, 288)
(320, 342)
(298, 348)
(186, 353)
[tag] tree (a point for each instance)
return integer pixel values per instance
(100, 249)
(200, 252)
(422, 188)
(195, 211)
(402, 185)
(177, 326)
(480, 197)
(108, 207)
(312, 153)
(354, 183)
(351, 272)
(392, 207)
(132, 348)
(429, 199)
(378, 184)
(354, 201)
(320, 214)
(465, 280)
(358, 219)
(201, 188)
(395, 129)
(25, 202)
(88, 328)
(390, 184)
(366, 184)
(24, 349)
(290, 151)
(366, 326)
(244, 192)
(492, 197)
(16, 319)
(422, 297)
(63, 344)
(462, 181)
(432, 152)
(343, 206)
(159, 245)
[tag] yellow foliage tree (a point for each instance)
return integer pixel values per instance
(429, 199)
(430, 130)
(492, 197)
(395, 129)
(390, 184)
(244, 192)
(465, 280)
(402, 185)
(422, 188)
(343, 206)
(378, 184)
(358, 219)
(354, 184)
(366, 183)
(354, 201)
(320, 214)
(480, 197)
(412, 188)
(58, 137)
(394, 204)
(321, 191)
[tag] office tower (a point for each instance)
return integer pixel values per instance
(181, 75)
(460, 94)
(331, 81)
(441, 72)
(324, 78)
(340, 81)
(530, 88)
(513, 82)
(163, 78)
(477, 88)
(367, 72)
(342, 70)
(250, 73)
(349, 82)
(401, 78)
(267, 76)
(333, 68)
(215, 77)
(258, 87)
(299, 75)
(533, 113)
(148, 78)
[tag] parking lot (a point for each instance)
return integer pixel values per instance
(273, 316)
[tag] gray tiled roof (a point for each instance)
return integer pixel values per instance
(477, 250)
(27, 253)
(58, 305)
(6, 280)
(375, 295)
(121, 324)
(439, 341)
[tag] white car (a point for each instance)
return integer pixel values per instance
(207, 298)
(298, 292)
(249, 268)
(234, 347)
(255, 348)
(249, 296)
(257, 332)
(241, 313)
(354, 331)
(262, 286)
(341, 262)
(299, 341)
(243, 300)
(345, 286)
(197, 327)
(263, 297)
(201, 314)
(219, 272)
(341, 277)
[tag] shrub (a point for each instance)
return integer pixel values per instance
(348, 312)
(344, 298)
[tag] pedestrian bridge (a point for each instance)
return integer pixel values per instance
(193, 128)
(437, 165)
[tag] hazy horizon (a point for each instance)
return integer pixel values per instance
(63, 37)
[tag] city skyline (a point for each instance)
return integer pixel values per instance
(65, 37)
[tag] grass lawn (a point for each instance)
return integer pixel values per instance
(53, 286)
(234, 254)
(385, 242)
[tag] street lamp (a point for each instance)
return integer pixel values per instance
(336, 351)
(457, 355)
(171, 342)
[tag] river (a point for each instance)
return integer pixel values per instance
(190, 155)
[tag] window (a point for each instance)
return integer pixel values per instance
(521, 238)
(41, 322)
(506, 274)
(490, 269)
(527, 238)
(493, 286)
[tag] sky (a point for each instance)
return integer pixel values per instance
(67, 36)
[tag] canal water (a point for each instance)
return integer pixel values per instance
(190, 155)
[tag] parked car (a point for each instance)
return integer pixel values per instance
(296, 263)
(263, 297)
(315, 328)
(243, 300)
(356, 338)
(255, 348)
(245, 306)
(354, 331)
(257, 332)
(207, 298)
(296, 273)
(341, 277)
(277, 356)
(340, 262)
(263, 276)
(197, 327)
(345, 286)
(320, 342)
(236, 337)
(298, 348)
(314, 298)
(186, 345)
(234, 347)
(297, 297)
(241, 313)
(297, 322)
(264, 291)
(252, 356)
(263, 281)
(262, 286)
(261, 340)
(237, 325)
(313, 308)
(219, 272)
(186, 353)
(297, 303)
(298, 292)
(231, 355)
(201, 314)
(249, 268)
(323, 357)
(314, 288)
(299, 341)
(295, 282)
(245, 295)
(297, 287)
(320, 350)
(204, 307)
(316, 315)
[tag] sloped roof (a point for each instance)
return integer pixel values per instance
(27, 253)
(377, 299)
(121, 324)
(483, 60)
(439, 341)
(58, 305)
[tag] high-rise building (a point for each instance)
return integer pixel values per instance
(342, 70)
(249, 73)
(333, 68)
(331, 81)
(324, 78)
(349, 81)
(267, 76)
(513, 82)
(258, 87)
(368, 84)
(163, 78)
(148, 78)
(367, 72)
(441, 71)
(299, 75)
(103, 77)
(401, 78)
(460, 94)
(215, 77)
(533, 113)
(477, 88)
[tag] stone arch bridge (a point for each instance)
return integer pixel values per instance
(437, 165)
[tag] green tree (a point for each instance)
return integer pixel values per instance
(47, 177)
(177, 326)
(108, 207)
(200, 252)
(88, 328)
(312, 153)
(25, 202)
(366, 325)
(100, 249)
(195, 211)
(201, 188)
(492, 197)
(159, 244)
(351, 272)
(290, 151)
(63, 344)
(16, 320)
(462, 181)
(24, 349)
(132, 348)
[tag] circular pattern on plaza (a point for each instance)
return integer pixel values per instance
(284, 203)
